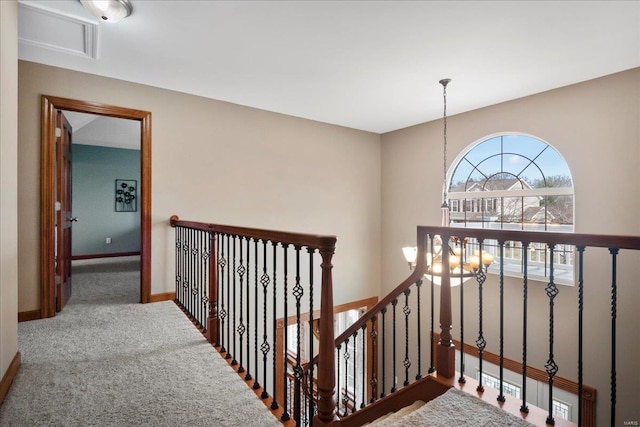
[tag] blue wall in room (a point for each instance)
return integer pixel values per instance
(95, 170)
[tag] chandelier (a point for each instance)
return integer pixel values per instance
(462, 265)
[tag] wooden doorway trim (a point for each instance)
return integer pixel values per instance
(47, 192)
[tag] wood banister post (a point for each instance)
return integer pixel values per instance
(326, 351)
(446, 352)
(213, 320)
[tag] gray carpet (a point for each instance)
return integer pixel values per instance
(109, 361)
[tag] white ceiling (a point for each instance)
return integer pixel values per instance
(371, 65)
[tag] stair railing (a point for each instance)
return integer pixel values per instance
(235, 282)
(397, 322)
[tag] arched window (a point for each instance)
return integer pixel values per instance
(515, 182)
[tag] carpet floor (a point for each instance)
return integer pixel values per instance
(107, 360)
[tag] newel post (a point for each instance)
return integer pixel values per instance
(446, 351)
(213, 320)
(326, 351)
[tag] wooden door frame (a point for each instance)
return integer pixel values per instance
(48, 192)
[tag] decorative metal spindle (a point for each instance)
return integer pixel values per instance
(241, 328)
(364, 366)
(481, 343)
(256, 384)
(525, 291)
(419, 323)
(394, 303)
(355, 376)
(338, 388)
(406, 362)
(189, 272)
(217, 278)
(248, 376)
(264, 347)
(285, 413)
(374, 361)
(384, 347)
(501, 397)
(197, 301)
(230, 309)
(345, 397)
(222, 262)
(551, 367)
(462, 379)
(580, 328)
(233, 305)
(178, 238)
(310, 376)
(614, 315)
(432, 349)
(274, 401)
(298, 291)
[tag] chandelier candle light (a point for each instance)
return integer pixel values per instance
(456, 254)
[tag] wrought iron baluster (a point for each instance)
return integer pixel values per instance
(338, 388)
(614, 315)
(394, 303)
(188, 267)
(525, 291)
(374, 361)
(406, 310)
(580, 328)
(481, 343)
(298, 292)
(285, 292)
(233, 304)
(551, 367)
(248, 376)
(364, 366)
(345, 392)
(462, 379)
(311, 401)
(264, 347)
(501, 397)
(384, 350)
(222, 263)
(432, 349)
(256, 375)
(230, 308)
(419, 324)
(355, 375)
(241, 328)
(274, 322)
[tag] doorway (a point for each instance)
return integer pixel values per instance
(53, 224)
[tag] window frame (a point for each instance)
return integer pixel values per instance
(482, 199)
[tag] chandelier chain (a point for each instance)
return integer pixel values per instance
(444, 83)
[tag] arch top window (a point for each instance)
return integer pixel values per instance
(513, 182)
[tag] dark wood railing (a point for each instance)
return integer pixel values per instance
(247, 282)
(235, 282)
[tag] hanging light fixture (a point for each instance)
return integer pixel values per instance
(462, 266)
(108, 10)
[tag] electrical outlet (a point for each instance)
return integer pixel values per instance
(108, 240)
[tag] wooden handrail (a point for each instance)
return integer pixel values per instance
(316, 241)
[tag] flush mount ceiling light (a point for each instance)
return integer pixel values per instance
(108, 10)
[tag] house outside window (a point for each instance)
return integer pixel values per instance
(515, 182)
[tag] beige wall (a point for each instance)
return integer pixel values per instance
(8, 183)
(218, 162)
(596, 127)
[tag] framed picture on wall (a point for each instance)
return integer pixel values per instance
(126, 196)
